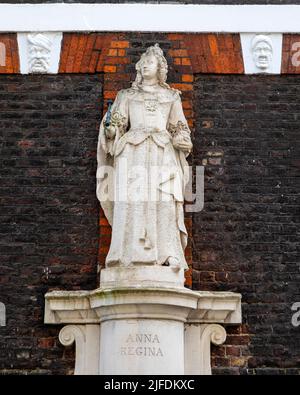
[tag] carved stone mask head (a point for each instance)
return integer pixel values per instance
(262, 51)
(39, 52)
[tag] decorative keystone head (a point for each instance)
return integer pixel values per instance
(262, 51)
(39, 50)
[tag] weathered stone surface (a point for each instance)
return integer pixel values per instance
(152, 276)
(142, 330)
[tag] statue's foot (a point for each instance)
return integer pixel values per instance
(173, 263)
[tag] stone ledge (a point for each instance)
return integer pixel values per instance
(141, 277)
(181, 304)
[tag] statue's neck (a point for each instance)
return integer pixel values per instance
(150, 82)
(150, 85)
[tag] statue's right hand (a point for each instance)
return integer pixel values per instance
(110, 132)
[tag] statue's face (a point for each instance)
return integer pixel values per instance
(149, 67)
(262, 55)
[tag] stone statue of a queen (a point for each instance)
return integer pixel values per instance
(142, 170)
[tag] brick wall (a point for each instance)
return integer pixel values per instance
(245, 133)
(115, 55)
(245, 240)
(48, 208)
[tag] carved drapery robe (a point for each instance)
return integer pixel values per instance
(145, 231)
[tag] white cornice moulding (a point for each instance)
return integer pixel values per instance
(149, 17)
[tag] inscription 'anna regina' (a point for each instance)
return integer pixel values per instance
(142, 344)
(143, 338)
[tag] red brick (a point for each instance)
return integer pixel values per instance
(110, 94)
(287, 66)
(103, 249)
(89, 47)
(46, 342)
(11, 54)
(233, 351)
(182, 87)
(175, 36)
(117, 60)
(215, 53)
(177, 61)
(120, 44)
(82, 41)
(186, 61)
(93, 62)
(182, 53)
(187, 78)
(72, 50)
(25, 143)
(109, 69)
(112, 52)
(186, 104)
(103, 221)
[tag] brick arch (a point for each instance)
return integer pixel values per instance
(9, 56)
(188, 54)
(113, 63)
(182, 78)
(218, 53)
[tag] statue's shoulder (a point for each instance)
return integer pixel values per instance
(122, 93)
(127, 92)
(168, 94)
(163, 94)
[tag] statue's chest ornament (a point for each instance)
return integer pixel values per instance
(151, 105)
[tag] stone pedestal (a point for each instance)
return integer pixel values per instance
(142, 321)
(142, 346)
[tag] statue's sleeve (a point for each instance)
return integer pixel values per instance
(177, 124)
(105, 153)
(118, 120)
(179, 130)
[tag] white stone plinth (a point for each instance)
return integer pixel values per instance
(141, 276)
(142, 329)
(142, 346)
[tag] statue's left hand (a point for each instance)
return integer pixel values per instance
(182, 144)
